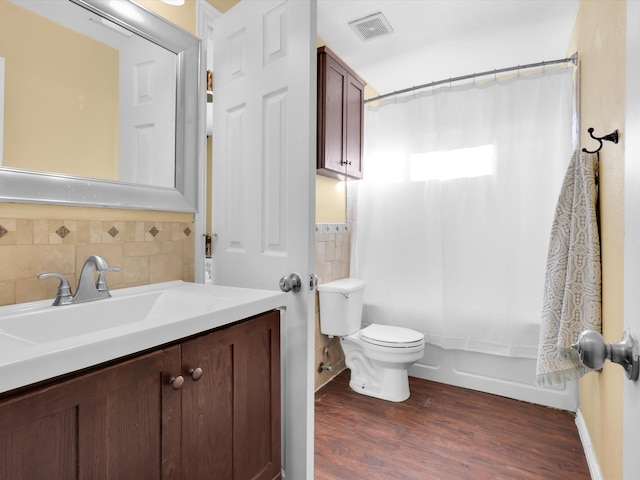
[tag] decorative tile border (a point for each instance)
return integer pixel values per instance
(324, 228)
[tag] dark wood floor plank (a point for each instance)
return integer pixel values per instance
(442, 432)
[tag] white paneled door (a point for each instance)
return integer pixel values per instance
(147, 114)
(631, 136)
(264, 182)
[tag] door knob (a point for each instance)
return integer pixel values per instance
(593, 351)
(291, 282)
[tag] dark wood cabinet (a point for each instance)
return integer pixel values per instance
(340, 118)
(234, 408)
(128, 421)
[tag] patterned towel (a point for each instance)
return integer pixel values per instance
(573, 282)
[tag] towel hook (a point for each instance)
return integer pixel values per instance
(612, 137)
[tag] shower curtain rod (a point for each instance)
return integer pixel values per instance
(573, 59)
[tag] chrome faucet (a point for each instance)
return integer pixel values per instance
(87, 290)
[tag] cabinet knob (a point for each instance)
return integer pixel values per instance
(195, 373)
(345, 162)
(176, 382)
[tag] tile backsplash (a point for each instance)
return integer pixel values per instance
(149, 249)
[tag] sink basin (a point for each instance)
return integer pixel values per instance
(8, 342)
(49, 324)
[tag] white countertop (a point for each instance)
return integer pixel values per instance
(173, 310)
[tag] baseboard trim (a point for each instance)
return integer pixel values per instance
(592, 460)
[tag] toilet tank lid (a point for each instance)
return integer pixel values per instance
(342, 285)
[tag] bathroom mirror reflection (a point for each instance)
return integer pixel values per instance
(100, 98)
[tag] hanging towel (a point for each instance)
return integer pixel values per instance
(573, 282)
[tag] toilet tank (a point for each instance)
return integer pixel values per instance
(341, 306)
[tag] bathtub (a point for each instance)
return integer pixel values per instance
(505, 376)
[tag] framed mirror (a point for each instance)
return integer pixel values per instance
(96, 149)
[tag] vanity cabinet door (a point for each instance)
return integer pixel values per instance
(128, 420)
(207, 407)
(113, 424)
(231, 414)
(257, 399)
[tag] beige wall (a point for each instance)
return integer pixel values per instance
(330, 200)
(599, 38)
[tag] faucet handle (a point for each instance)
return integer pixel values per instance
(64, 289)
(101, 283)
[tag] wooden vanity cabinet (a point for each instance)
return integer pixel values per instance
(126, 420)
(340, 118)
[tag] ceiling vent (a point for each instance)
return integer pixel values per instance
(371, 26)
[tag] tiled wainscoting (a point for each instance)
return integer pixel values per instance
(333, 250)
(149, 247)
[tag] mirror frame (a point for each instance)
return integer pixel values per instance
(24, 186)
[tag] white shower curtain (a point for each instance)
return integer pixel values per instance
(463, 259)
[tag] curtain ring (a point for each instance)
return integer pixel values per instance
(495, 76)
(518, 71)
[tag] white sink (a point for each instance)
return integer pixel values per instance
(8, 342)
(50, 324)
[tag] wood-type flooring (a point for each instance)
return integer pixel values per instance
(442, 432)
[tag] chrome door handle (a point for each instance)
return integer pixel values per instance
(291, 282)
(313, 281)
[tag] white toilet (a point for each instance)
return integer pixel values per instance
(378, 355)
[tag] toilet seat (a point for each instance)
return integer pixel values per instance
(391, 336)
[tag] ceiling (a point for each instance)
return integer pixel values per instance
(438, 39)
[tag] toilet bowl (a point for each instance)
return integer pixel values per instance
(378, 356)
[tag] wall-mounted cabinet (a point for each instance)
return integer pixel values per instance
(340, 118)
(203, 407)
